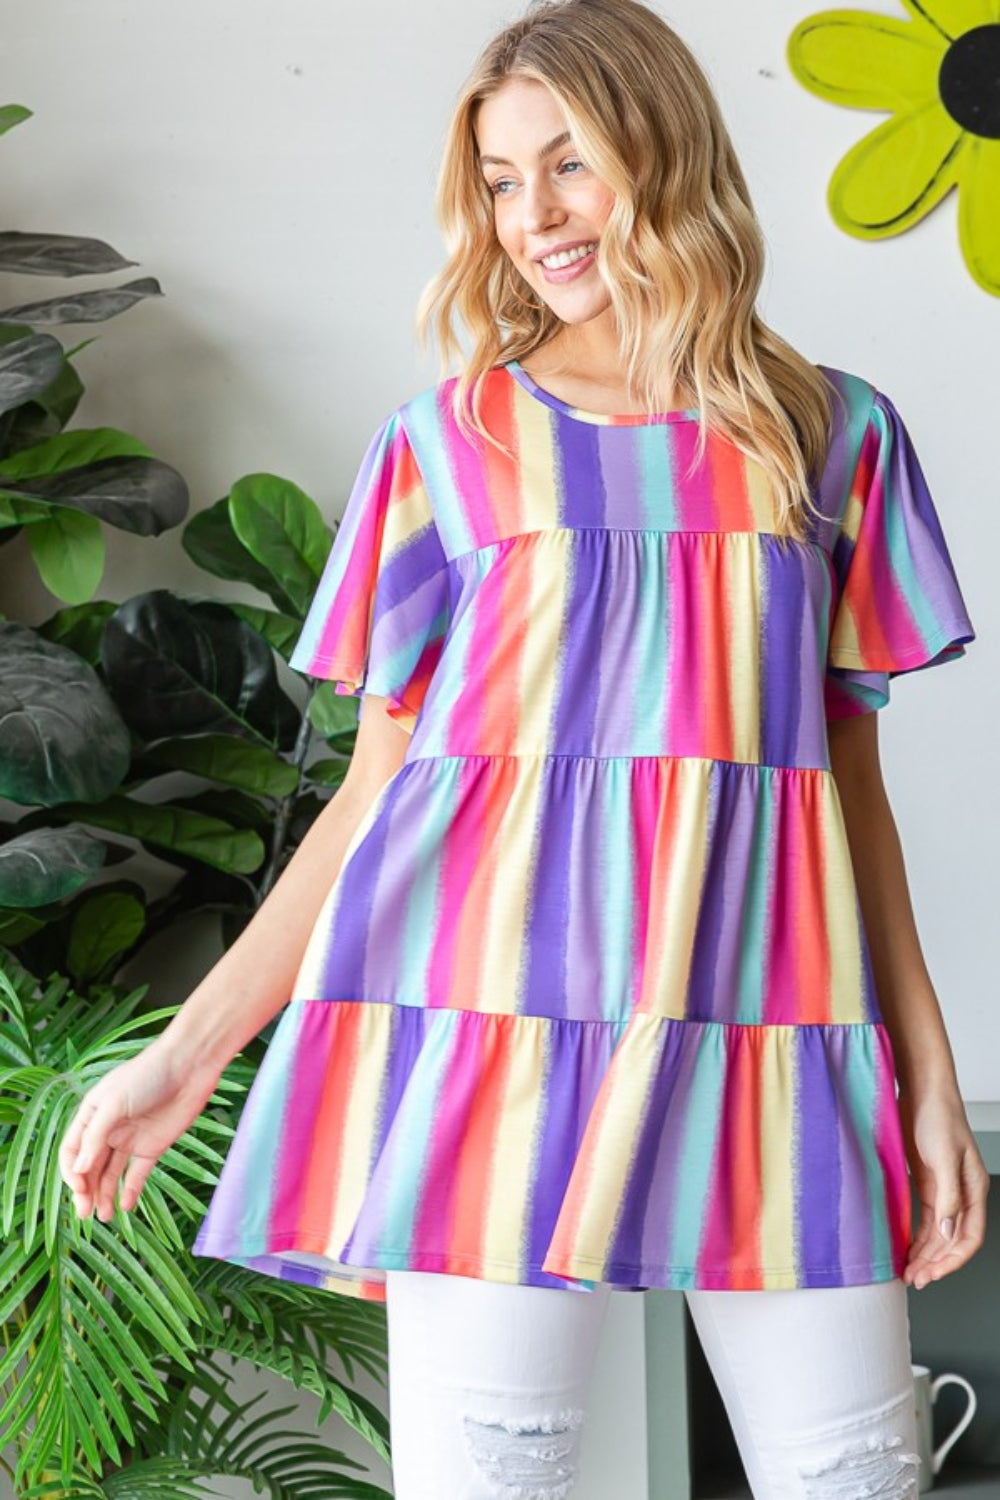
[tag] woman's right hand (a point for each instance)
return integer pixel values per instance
(124, 1123)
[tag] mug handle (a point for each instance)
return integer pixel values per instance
(941, 1453)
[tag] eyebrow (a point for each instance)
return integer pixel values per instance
(557, 140)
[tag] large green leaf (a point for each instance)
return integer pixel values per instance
(284, 531)
(61, 737)
(57, 254)
(327, 772)
(27, 367)
(179, 667)
(38, 420)
(18, 513)
(71, 450)
(46, 864)
(330, 712)
(281, 631)
(196, 834)
(79, 628)
(231, 805)
(84, 307)
(104, 926)
(210, 541)
(220, 757)
(17, 926)
(142, 495)
(11, 115)
(68, 549)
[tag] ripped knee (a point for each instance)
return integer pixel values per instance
(526, 1458)
(876, 1469)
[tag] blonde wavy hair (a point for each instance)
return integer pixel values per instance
(681, 254)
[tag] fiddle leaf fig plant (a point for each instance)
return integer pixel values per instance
(60, 486)
(154, 769)
(117, 703)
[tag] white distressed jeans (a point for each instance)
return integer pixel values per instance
(488, 1387)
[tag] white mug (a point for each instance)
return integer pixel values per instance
(926, 1390)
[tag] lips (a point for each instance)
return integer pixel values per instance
(558, 249)
(575, 268)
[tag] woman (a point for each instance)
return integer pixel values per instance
(582, 957)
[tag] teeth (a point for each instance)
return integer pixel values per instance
(567, 257)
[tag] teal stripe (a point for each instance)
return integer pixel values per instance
(655, 462)
(453, 670)
(753, 934)
(617, 852)
(702, 1122)
(898, 547)
(431, 432)
(648, 706)
(261, 1127)
(425, 856)
(861, 1089)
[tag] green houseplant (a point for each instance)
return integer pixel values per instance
(60, 486)
(68, 934)
(152, 731)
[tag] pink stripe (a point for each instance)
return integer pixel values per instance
(462, 848)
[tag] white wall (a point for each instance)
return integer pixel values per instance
(274, 167)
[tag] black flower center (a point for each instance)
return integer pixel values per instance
(969, 81)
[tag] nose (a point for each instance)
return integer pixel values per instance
(540, 204)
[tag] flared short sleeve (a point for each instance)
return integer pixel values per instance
(898, 605)
(378, 619)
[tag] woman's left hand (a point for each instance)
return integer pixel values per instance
(951, 1182)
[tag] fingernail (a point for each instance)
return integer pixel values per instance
(947, 1228)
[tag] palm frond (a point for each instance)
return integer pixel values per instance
(284, 1465)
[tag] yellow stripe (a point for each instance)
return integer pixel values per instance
(360, 1123)
(839, 894)
(545, 621)
(609, 1144)
(407, 515)
(853, 516)
(539, 475)
(514, 1155)
(515, 854)
(678, 918)
(777, 1092)
(744, 559)
(760, 494)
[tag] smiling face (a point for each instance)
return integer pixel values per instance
(545, 198)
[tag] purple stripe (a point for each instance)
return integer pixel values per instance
(620, 457)
(577, 1058)
(408, 1032)
(781, 584)
(544, 989)
(719, 939)
(645, 1223)
(347, 946)
(582, 497)
(818, 1165)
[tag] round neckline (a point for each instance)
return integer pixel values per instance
(607, 419)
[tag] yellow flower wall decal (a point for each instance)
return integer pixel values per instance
(939, 75)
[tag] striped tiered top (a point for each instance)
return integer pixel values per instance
(590, 997)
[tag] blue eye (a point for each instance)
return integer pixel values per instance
(495, 187)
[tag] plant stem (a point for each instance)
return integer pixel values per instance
(283, 811)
